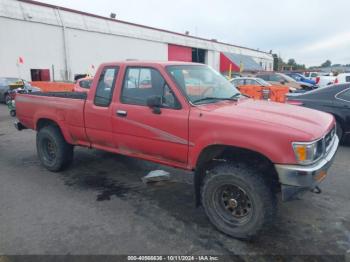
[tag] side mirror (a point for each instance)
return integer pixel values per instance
(155, 102)
(283, 82)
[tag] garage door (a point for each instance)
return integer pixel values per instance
(179, 53)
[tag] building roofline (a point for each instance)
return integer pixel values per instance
(133, 24)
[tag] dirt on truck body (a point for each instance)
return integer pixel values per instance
(243, 152)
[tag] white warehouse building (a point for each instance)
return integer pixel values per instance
(39, 41)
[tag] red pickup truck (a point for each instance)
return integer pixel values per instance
(243, 152)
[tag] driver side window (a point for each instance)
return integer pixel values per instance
(142, 83)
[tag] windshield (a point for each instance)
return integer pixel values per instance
(288, 78)
(202, 84)
(263, 82)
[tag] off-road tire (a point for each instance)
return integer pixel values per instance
(263, 200)
(61, 156)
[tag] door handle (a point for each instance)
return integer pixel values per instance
(122, 113)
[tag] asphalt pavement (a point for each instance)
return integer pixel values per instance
(100, 206)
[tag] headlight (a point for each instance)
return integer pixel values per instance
(308, 153)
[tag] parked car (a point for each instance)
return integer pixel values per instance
(234, 75)
(5, 83)
(300, 78)
(279, 78)
(325, 79)
(241, 151)
(311, 75)
(342, 78)
(14, 90)
(258, 88)
(254, 81)
(333, 99)
(83, 85)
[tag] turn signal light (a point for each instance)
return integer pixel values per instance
(301, 152)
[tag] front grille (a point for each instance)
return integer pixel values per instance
(329, 138)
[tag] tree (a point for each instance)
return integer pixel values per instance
(328, 63)
(275, 62)
(292, 62)
(279, 64)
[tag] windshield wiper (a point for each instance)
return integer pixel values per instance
(235, 96)
(210, 98)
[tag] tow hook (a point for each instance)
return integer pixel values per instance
(316, 190)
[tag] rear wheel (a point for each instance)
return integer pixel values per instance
(54, 152)
(237, 200)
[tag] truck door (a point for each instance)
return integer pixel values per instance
(98, 109)
(159, 133)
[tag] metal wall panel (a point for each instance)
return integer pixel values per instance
(179, 53)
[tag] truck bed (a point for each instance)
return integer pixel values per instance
(64, 108)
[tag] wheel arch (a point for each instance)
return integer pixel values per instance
(214, 154)
(43, 122)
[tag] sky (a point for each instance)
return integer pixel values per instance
(310, 31)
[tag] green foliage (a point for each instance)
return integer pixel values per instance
(291, 62)
(280, 65)
(328, 63)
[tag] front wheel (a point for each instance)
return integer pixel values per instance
(237, 200)
(54, 152)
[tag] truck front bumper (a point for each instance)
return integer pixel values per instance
(296, 179)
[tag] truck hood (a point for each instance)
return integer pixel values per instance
(286, 118)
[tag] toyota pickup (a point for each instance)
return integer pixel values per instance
(244, 153)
